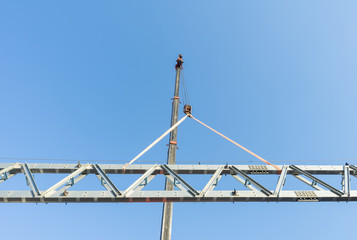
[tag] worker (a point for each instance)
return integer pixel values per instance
(179, 62)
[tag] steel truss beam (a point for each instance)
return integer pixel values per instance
(187, 193)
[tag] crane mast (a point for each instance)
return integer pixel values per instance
(166, 222)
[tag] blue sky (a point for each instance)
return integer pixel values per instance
(93, 80)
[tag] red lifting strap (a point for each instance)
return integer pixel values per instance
(173, 142)
(176, 97)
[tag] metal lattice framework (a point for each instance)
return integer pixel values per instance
(256, 192)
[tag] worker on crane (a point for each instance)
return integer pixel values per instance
(179, 62)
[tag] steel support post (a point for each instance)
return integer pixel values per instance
(346, 180)
(281, 181)
(166, 222)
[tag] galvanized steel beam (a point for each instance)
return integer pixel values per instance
(179, 169)
(188, 194)
(176, 196)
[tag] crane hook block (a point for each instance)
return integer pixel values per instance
(187, 109)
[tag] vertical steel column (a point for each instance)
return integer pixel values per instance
(166, 222)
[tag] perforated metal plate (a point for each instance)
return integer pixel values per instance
(258, 169)
(306, 196)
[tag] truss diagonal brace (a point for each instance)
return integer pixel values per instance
(245, 183)
(187, 186)
(73, 181)
(212, 182)
(251, 180)
(354, 168)
(109, 185)
(5, 173)
(30, 180)
(137, 183)
(53, 189)
(332, 189)
(310, 183)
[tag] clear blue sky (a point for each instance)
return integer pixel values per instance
(93, 80)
